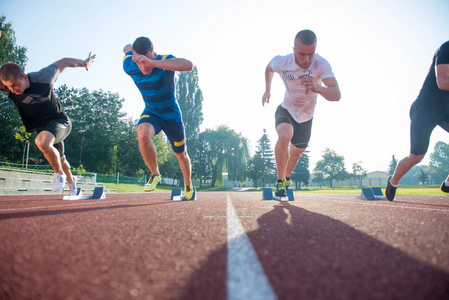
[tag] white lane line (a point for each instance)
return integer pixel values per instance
(246, 278)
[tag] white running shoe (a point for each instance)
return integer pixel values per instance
(59, 182)
(72, 187)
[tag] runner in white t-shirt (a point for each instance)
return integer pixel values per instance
(303, 73)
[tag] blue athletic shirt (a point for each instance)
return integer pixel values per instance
(157, 88)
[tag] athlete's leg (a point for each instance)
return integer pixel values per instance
(295, 155)
(421, 127)
(185, 165)
(66, 168)
(281, 149)
(404, 166)
(45, 141)
(145, 134)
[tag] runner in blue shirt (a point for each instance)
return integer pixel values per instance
(154, 76)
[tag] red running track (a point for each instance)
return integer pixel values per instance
(144, 246)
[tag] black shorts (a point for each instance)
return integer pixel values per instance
(60, 128)
(301, 131)
(424, 118)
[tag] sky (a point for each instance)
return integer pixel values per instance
(380, 52)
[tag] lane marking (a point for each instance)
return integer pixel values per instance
(246, 278)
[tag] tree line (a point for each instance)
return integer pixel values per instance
(104, 139)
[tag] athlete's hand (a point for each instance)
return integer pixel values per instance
(144, 63)
(266, 98)
(142, 60)
(309, 84)
(90, 60)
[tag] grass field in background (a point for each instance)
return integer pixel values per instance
(429, 190)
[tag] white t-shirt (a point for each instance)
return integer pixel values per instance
(296, 102)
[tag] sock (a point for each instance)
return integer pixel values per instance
(446, 183)
(394, 185)
(287, 178)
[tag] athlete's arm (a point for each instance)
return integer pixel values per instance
(268, 79)
(442, 74)
(174, 64)
(75, 62)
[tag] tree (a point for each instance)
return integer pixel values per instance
(331, 167)
(359, 172)
(227, 151)
(9, 117)
(439, 162)
(262, 166)
(422, 176)
(24, 137)
(190, 100)
(97, 123)
(301, 171)
(392, 165)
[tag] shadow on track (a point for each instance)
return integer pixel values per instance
(311, 256)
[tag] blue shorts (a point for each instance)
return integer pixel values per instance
(175, 132)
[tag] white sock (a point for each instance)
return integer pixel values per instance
(446, 183)
(394, 185)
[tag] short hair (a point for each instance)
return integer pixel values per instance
(306, 37)
(10, 71)
(142, 45)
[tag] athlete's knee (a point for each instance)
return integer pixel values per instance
(415, 159)
(182, 155)
(144, 136)
(43, 145)
(295, 153)
(145, 133)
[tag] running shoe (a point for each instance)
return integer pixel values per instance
(188, 192)
(444, 188)
(72, 187)
(280, 189)
(390, 191)
(152, 182)
(59, 181)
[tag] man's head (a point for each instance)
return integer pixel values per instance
(14, 78)
(304, 49)
(142, 45)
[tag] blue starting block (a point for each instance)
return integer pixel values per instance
(267, 194)
(176, 195)
(377, 192)
(374, 193)
(97, 194)
(367, 194)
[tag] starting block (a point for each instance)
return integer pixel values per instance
(97, 194)
(176, 195)
(377, 192)
(268, 195)
(374, 193)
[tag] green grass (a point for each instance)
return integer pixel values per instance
(136, 188)
(417, 190)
